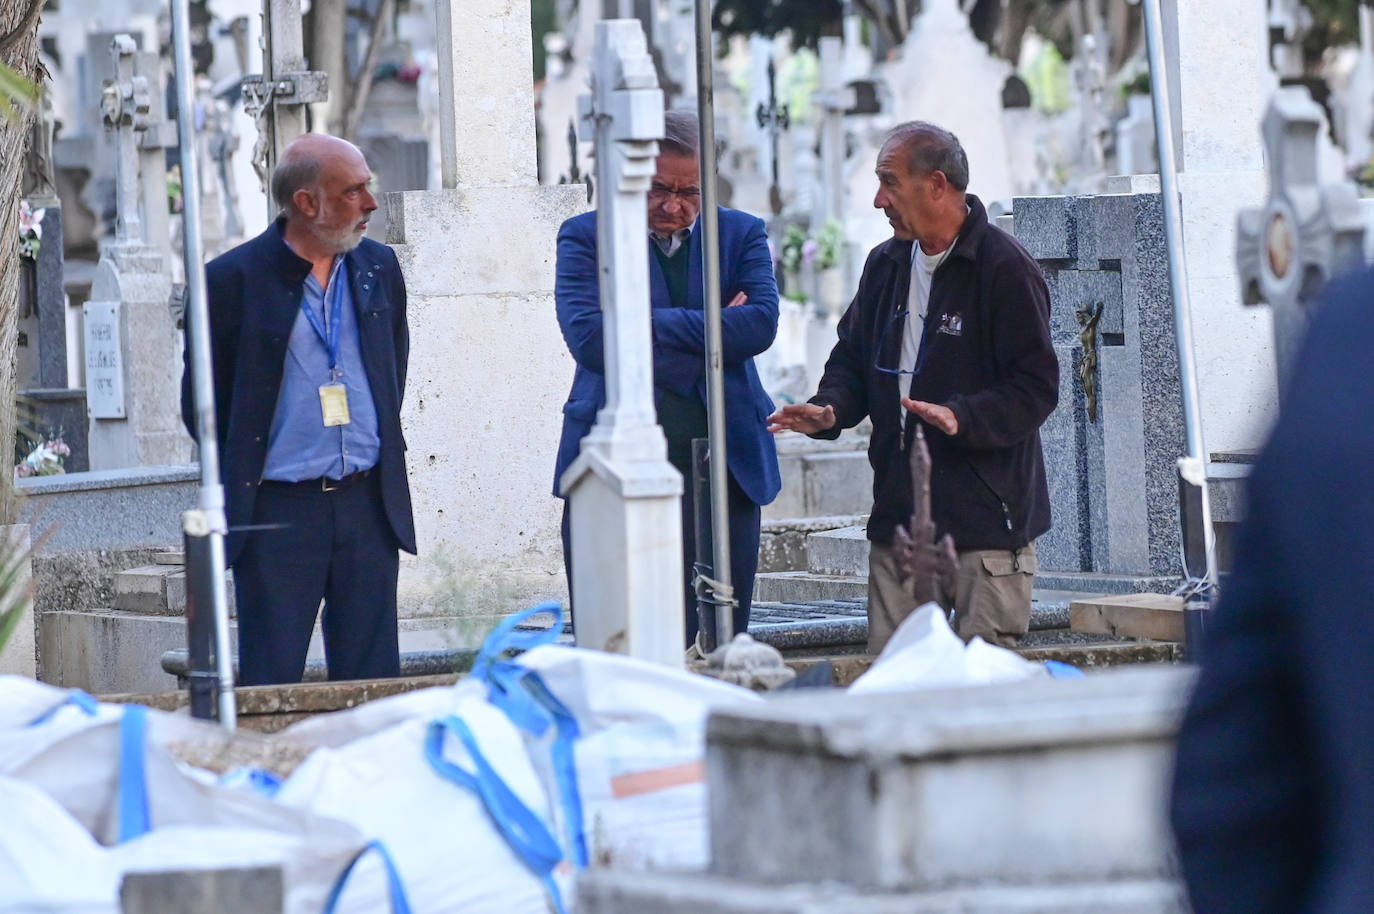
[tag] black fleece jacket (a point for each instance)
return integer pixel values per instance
(986, 354)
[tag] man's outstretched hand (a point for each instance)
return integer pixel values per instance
(941, 417)
(807, 418)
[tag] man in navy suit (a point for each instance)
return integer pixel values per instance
(1273, 799)
(748, 324)
(309, 348)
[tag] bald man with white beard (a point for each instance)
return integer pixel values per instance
(309, 346)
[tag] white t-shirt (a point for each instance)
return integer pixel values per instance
(923, 267)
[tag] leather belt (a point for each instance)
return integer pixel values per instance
(323, 483)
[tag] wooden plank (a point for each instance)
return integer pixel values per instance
(1158, 617)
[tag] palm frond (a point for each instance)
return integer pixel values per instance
(16, 93)
(16, 579)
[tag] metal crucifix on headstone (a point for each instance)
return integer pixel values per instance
(276, 99)
(623, 493)
(775, 119)
(1306, 232)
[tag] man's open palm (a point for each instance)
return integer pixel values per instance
(807, 418)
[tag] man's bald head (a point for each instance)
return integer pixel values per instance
(303, 162)
(322, 185)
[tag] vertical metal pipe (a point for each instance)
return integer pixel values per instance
(210, 500)
(1178, 272)
(715, 380)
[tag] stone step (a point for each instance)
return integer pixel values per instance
(158, 590)
(822, 483)
(782, 541)
(838, 552)
(1098, 752)
(806, 587)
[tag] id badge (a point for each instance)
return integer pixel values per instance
(334, 404)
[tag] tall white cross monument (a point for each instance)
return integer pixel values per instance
(623, 493)
(1304, 234)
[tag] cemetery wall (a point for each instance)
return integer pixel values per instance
(488, 377)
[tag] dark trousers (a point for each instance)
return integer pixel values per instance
(744, 519)
(336, 546)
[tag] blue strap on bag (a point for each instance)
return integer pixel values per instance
(75, 698)
(522, 829)
(399, 903)
(530, 704)
(133, 776)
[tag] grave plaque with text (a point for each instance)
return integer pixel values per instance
(104, 361)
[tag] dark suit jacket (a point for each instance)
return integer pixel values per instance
(1273, 800)
(254, 294)
(679, 340)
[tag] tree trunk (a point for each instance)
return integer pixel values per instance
(19, 51)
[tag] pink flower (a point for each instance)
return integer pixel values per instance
(30, 220)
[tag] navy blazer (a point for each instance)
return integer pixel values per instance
(679, 341)
(254, 294)
(1273, 800)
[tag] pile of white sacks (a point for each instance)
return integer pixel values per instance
(483, 798)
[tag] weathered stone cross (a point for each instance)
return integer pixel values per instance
(124, 104)
(834, 98)
(1306, 232)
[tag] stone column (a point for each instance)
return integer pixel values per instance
(485, 59)
(489, 371)
(1221, 83)
(626, 514)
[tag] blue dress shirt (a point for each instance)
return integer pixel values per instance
(300, 447)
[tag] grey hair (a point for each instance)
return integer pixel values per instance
(296, 171)
(929, 149)
(681, 134)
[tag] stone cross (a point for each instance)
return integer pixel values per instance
(124, 104)
(1306, 232)
(1091, 77)
(1289, 21)
(624, 494)
(833, 99)
(159, 134)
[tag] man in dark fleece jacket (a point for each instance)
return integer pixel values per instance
(949, 330)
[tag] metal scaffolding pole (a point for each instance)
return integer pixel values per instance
(1193, 467)
(205, 526)
(715, 379)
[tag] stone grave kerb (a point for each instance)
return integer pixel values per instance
(1305, 233)
(627, 580)
(488, 369)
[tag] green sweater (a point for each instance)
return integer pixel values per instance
(682, 418)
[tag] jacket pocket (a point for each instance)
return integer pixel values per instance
(583, 410)
(1000, 564)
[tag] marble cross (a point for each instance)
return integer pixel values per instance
(124, 105)
(623, 117)
(623, 494)
(1304, 234)
(833, 99)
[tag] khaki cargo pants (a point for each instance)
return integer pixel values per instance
(992, 595)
